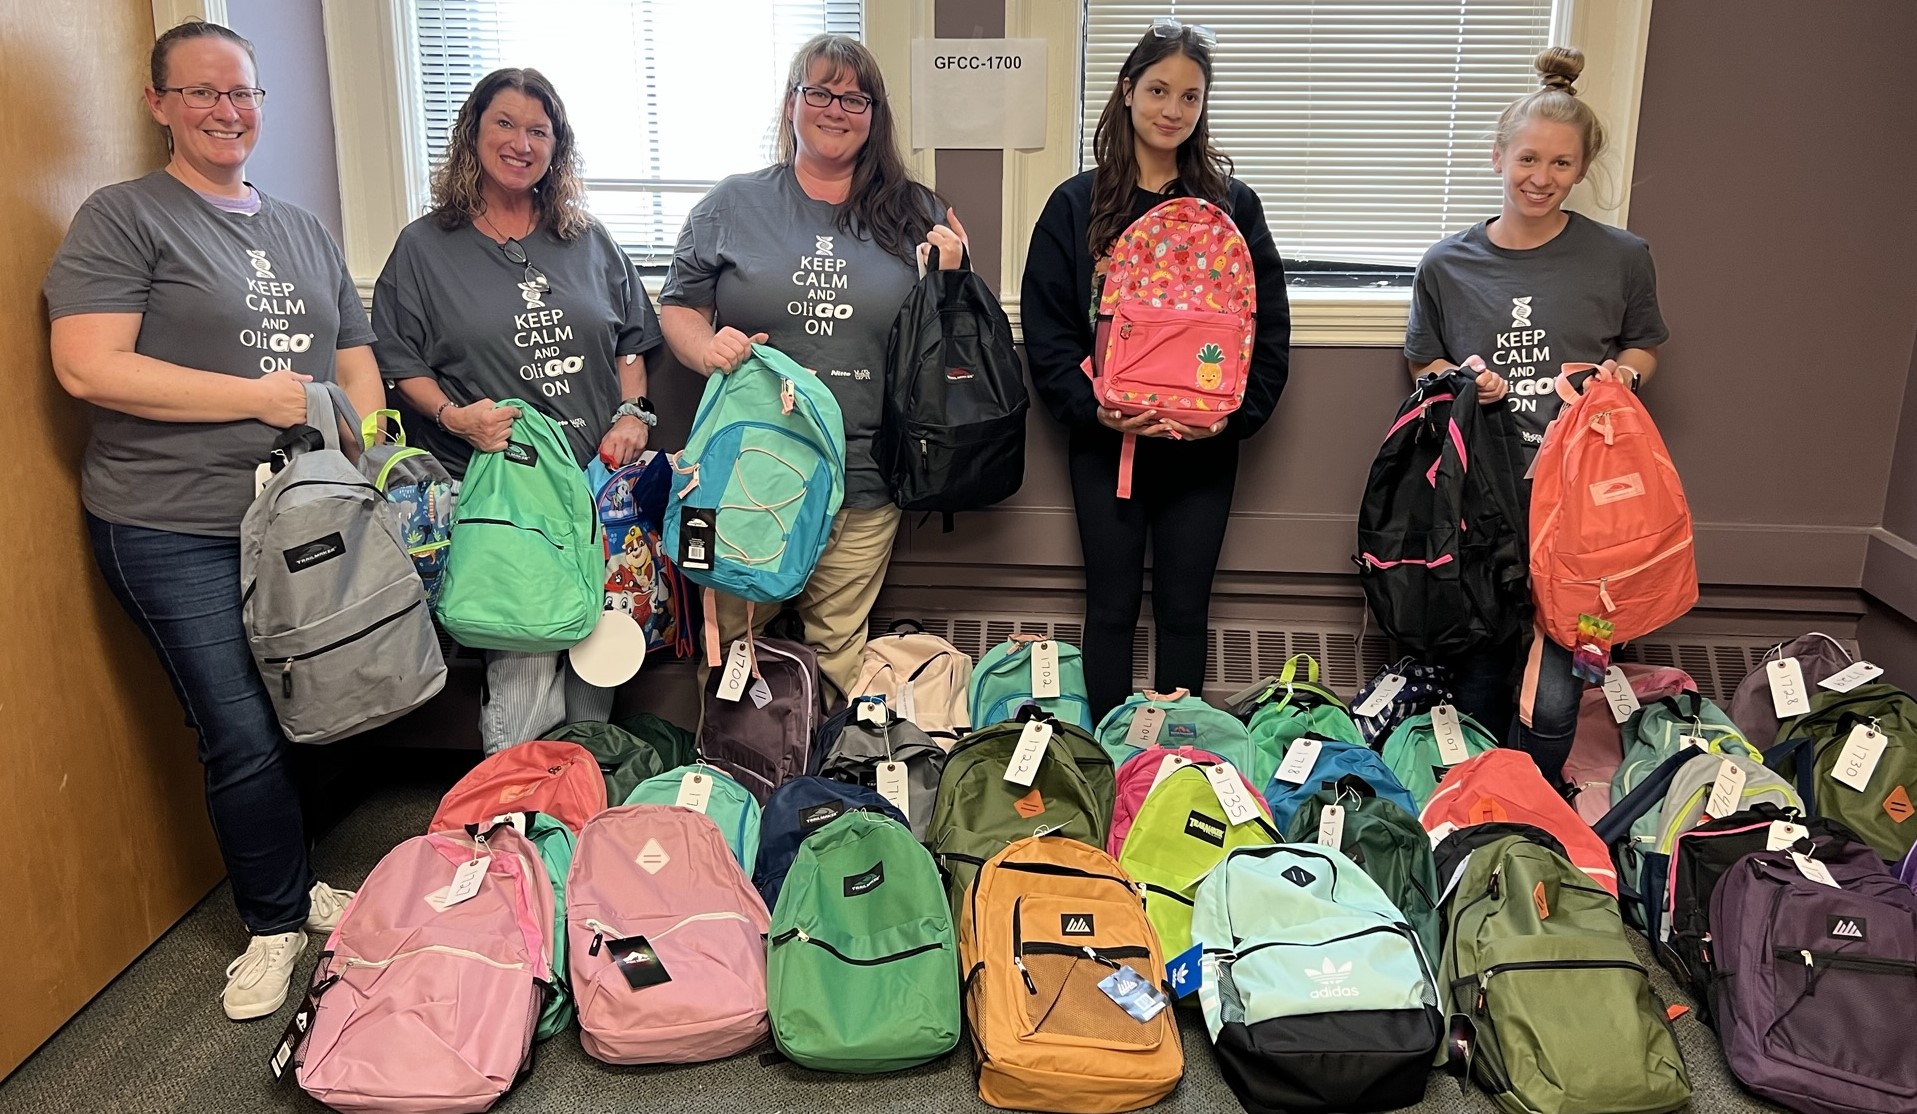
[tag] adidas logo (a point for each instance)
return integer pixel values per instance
(1075, 924)
(1850, 928)
(1329, 977)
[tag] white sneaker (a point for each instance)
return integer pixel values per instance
(256, 982)
(327, 904)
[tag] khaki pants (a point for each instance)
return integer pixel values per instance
(836, 601)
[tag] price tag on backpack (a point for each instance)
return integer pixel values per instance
(1300, 759)
(892, 787)
(1858, 760)
(1172, 762)
(637, 961)
(695, 788)
(1618, 694)
(1849, 678)
(1727, 792)
(466, 882)
(1045, 680)
(1030, 753)
(738, 671)
(1698, 742)
(695, 540)
(760, 692)
(1230, 790)
(1448, 733)
(872, 712)
(1147, 724)
(1389, 685)
(1814, 870)
(1784, 834)
(1134, 993)
(1442, 830)
(1788, 697)
(908, 703)
(1331, 826)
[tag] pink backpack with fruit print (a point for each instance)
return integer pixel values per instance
(1176, 320)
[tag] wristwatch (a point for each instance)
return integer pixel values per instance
(640, 407)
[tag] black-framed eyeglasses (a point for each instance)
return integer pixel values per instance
(854, 103)
(201, 96)
(1168, 27)
(516, 254)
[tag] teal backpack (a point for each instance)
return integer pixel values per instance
(1291, 707)
(759, 482)
(862, 971)
(1183, 720)
(1003, 680)
(1652, 735)
(526, 569)
(554, 842)
(1411, 752)
(727, 804)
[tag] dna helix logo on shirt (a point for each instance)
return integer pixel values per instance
(278, 304)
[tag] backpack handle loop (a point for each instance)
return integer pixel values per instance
(1167, 697)
(370, 431)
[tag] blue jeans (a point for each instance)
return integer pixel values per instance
(184, 593)
(1490, 688)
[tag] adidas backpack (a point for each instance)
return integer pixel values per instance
(892, 757)
(1810, 746)
(1505, 787)
(1180, 833)
(420, 491)
(1011, 673)
(1818, 656)
(1386, 842)
(1176, 320)
(1441, 530)
(862, 974)
(1416, 758)
(1316, 993)
(331, 602)
(708, 790)
(764, 736)
(1175, 719)
(1399, 691)
(667, 940)
(953, 434)
(922, 677)
(524, 571)
(796, 810)
(1610, 527)
(1336, 761)
(559, 779)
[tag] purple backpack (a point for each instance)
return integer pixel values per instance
(1817, 654)
(1907, 873)
(763, 738)
(1816, 987)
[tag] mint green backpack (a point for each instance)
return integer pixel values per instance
(1002, 681)
(526, 569)
(1411, 752)
(1183, 720)
(727, 804)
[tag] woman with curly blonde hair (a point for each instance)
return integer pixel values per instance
(510, 290)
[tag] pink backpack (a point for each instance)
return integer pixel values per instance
(1598, 748)
(1134, 783)
(1175, 323)
(664, 873)
(418, 1006)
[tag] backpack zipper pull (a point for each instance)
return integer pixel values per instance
(1096, 958)
(1483, 979)
(1495, 875)
(1807, 957)
(1030, 986)
(286, 680)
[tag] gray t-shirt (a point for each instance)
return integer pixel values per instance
(1583, 297)
(450, 304)
(771, 260)
(224, 292)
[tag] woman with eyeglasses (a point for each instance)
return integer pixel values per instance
(1152, 143)
(189, 308)
(814, 255)
(509, 290)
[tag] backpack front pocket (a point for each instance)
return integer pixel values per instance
(381, 649)
(1846, 1013)
(1059, 977)
(1176, 352)
(889, 996)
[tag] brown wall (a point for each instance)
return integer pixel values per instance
(97, 774)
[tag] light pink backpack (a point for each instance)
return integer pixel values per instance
(1598, 747)
(419, 1006)
(664, 873)
(1134, 783)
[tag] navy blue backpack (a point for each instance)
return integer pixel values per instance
(795, 810)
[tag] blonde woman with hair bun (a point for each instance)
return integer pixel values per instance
(1513, 297)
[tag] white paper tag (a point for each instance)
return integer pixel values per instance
(1300, 759)
(908, 703)
(1389, 685)
(1449, 735)
(1331, 826)
(1165, 768)
(1727, 792)
(1788, 697)
(732, 683)
(1814, 870)
(1147, 724)
(466, 882)
(1858, 760)
(760, 692)
(695, 788)
(1696, 741)
(892, 786)
(1230, 791)
(872, 712)
(1438, 833)
(1784, 834)
(1849, 678)
(261, 477)
(1031, 751)
(1618, 694)
(1045, 670)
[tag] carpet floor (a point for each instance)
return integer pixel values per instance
(155, 1041)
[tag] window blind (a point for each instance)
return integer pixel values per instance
(666, 96)
(1365, 126)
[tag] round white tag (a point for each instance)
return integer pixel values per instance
(612, 653)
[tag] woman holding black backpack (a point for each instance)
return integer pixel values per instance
(1152, 144)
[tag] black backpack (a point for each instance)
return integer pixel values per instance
(1442, 530)
(953, 435)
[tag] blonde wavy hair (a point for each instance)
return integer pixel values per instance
(561, 194)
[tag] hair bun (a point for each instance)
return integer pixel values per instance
(1559, 67)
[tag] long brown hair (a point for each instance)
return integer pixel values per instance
(560, 195)
(885, 204)
(1202, 170)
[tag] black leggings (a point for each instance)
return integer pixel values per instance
(1181, 499)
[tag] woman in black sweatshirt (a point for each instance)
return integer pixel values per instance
(1152, 143)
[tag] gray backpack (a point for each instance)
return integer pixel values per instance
(763, 738)
(1818, 656)
(861, 747)
(332, 605)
